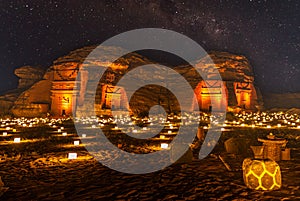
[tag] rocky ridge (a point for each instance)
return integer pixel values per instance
(32, 101)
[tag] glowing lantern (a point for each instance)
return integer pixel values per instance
(162, 137)
(17, 140)
(83, 135)
(261, 174)
(76, 143)
(144, 128)
(72, 156)
(14, 130)
(164, 145)
(4, 133)
(134, 131)
(59, 130)
(169, 132)
(64, 133)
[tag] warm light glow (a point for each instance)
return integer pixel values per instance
(164, 145)
(4, 133)
(76, 143)
(260, 176)
(83, 135)
(162, 137)
(72, 156)
(17, 140)
(64, 134)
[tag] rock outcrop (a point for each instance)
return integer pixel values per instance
(29, 75)
(35, 101)
(53, 92)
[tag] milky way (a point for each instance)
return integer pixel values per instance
(266, 32)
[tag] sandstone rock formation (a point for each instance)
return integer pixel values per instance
(29, 75)
(57, 90)
(35, 101)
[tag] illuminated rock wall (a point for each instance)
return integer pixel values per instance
(55, 93)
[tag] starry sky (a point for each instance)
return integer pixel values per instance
(36, 32)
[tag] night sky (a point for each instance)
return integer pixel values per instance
(266, 31)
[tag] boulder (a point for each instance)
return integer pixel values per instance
(35, 101)
(28, 75)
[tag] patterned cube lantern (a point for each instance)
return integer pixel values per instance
(261, 174)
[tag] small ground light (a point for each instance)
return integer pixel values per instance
(164, 145)
(169, 132)
(14, 130)
(17, 140)
(83, 135)
(162, 137)
(62, 128)
(4, 133)
(72, 156)
(64, 133)
(59, 130)
(76, 143)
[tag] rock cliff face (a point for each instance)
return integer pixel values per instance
(52, 92)
(237, 75)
